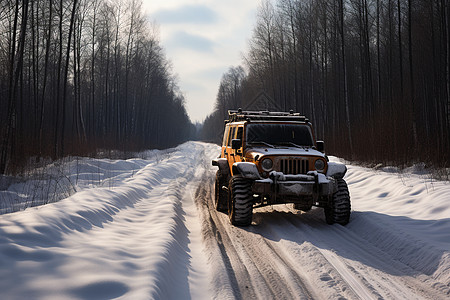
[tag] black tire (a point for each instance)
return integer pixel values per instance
(240, 201)
(221, 195)
(339, 209)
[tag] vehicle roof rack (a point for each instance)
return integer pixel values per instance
(265, 115)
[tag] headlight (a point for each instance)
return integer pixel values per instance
(319, 165)
(267, 164)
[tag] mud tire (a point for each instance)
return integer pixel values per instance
(240, 201)
(221, 195)
(339, 209)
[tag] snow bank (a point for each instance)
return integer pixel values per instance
(63, 178)
(128, 240)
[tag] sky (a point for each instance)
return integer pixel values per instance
(202, 39)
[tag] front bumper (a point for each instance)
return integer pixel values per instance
(279, 185)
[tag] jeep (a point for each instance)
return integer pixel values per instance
(270, 158)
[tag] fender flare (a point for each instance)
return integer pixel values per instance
(247, 170)
(222, 163)
(336, 170)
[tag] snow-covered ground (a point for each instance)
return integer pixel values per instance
(145, 229)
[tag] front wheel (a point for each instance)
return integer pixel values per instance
(240, 201)
(338, 211)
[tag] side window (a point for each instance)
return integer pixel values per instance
(232, 131)
(225, 135)
(240, 131)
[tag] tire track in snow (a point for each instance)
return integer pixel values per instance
(271, 271)
(368, 271)
(286, 246)
(355, 284)
(222, 259)
(251, 275)
(340, 272)
(288, 267)
(303, 257)
(380, 269)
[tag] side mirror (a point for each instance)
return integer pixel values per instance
(236, 144)
(320, 146)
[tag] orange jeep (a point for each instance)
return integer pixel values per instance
(270, 158)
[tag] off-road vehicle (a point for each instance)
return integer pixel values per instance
(270, 158)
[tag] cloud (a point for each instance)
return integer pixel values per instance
(203, 38)
(194, 14)
(210, 72)
(184, 40)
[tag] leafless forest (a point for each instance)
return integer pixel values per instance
(81, 75)
(372, 75)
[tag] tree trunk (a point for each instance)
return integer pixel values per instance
(344, 74)
(66, 70)
(14, 75)
(411, 77)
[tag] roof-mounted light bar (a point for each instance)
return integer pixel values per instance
(241, 115)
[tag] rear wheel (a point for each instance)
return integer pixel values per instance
(240, 201)
(338, 210)
(221, 195)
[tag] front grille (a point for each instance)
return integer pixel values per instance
(294, 166)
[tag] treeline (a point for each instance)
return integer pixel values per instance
(82, 75)
(372, 75)
(229, 96)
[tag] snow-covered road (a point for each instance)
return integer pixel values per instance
(151, 233)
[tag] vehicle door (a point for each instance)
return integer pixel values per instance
(229, 152)
(238, 153)
(223, 153)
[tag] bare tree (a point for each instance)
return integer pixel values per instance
(342, 62)
(80, 75)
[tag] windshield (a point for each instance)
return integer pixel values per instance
(279, 134)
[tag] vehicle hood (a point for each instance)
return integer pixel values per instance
(282, 150)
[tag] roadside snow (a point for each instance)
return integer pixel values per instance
(127, 239)
(63, 178)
